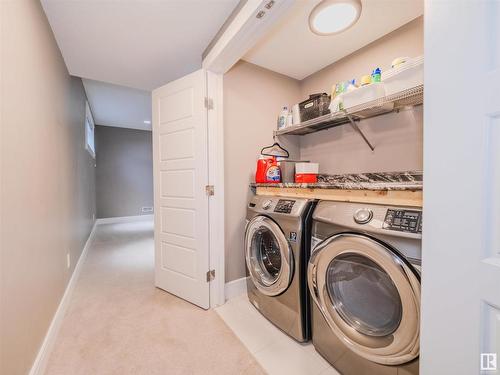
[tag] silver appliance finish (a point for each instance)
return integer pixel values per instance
(364, 279)
(276, 259)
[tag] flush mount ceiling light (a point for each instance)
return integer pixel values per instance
(147, 122)
(334, 16)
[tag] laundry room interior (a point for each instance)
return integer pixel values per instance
(369, 170)
(398, 135)
(237, 187)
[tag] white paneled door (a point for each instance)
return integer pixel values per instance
(461, 230)
(180, 160)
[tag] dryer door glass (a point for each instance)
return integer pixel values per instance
(268, 256)
(364, 295)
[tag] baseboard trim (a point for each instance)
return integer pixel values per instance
(235, 288)
(124, 219)
(42, 357)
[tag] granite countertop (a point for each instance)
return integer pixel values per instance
(408, 180)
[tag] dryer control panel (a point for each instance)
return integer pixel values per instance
(403, 220)
(284, 206)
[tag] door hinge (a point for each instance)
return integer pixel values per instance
(209, 103)
(210, 275)
(209, 189)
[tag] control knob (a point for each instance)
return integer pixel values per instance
(363, 215)
(267, 204)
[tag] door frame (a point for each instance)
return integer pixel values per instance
(461, 237)
(238, 34)
(216, 209)
(241, 31)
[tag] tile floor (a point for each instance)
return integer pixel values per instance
(276, 352)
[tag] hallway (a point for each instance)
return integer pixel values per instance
(119, 323)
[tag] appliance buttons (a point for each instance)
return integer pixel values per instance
(267, 204)
(363, 215)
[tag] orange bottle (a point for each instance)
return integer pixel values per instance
(260, 174)
(268, 170)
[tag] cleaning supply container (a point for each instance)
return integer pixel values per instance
(316, 106)
(306, 172)
(282, 118)
(404, 76)
(288, 169)
(296, 114)
(262, 165)
(268, 170)
(273, 172)
(364, 94)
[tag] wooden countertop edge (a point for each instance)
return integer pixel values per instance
(412, 198)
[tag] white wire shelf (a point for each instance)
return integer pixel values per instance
(392, 103)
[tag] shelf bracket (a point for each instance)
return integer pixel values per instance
(356, 127)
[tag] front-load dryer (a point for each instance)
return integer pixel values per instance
(364, 279)
(277, 249)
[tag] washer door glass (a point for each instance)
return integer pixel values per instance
(364, 295)
(268, 256)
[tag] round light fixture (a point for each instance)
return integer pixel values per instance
(334, 16)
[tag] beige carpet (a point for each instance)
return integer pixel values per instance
(119, 323)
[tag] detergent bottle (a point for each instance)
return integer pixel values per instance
(268, 170)
(260, 174)
(273, 171)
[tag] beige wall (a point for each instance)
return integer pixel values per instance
(252, 99)
(397, 137)
(408, 40)
(47, 181)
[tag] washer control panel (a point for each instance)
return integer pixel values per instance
(403, 220)
(284, 206)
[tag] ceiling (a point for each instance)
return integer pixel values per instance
(292, 49)
(136, 43)
(118, 106)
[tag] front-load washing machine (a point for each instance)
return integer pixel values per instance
(364, 280)
(277, 249)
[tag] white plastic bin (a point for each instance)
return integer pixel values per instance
(363, 94)
(405, 76)
(306, 168)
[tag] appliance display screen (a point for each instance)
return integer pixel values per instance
(403, 220)
(284, 206)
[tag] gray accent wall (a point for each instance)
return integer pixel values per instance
(47, 195)
(124, 174)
